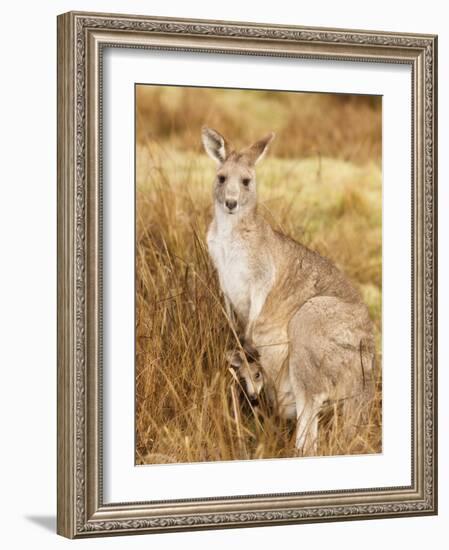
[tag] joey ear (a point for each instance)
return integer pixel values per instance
(234, 358)
(214, 144)
(251, 353)
(257, 150)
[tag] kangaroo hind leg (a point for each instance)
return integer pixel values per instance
(307, 425)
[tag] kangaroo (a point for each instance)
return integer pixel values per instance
(250, 372)
(302, 316)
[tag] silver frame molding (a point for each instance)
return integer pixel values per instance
(81, 39)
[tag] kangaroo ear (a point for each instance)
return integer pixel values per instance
(251, 353)
(215, 145)
(257, 150)
(234, 358)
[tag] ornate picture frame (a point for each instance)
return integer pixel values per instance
(82, 40)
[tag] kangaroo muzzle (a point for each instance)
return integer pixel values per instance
(231, 204)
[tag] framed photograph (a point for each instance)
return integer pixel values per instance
(247, 274)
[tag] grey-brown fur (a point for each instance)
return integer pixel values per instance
(312, 332)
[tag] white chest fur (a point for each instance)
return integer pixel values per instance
(246, 271)
(231, 259)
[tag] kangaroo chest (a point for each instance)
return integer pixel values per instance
(231, 259)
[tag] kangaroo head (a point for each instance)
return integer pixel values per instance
(235, 181)
(249, 372)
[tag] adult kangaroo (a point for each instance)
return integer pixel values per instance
(312, 333)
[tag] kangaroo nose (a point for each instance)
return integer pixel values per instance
(231, 204)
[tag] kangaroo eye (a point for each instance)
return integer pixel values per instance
(221, 178)
(246, 181)
(257, 376)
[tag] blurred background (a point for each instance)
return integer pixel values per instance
(321, 183)
(345, 127)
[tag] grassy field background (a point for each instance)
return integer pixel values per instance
(320, 183)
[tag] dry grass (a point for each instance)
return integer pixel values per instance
(339, 126)
(188, 404)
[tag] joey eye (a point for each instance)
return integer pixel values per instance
(221, 178)
(246, 181)
(257, 375)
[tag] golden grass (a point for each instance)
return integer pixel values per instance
(340, 126)
(189, 406)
